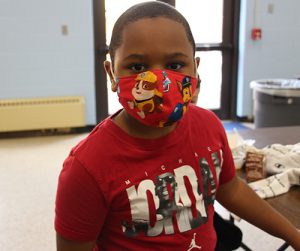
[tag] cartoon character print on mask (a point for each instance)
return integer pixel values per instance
(185, 88)
(166, 82)
(156, 98)
(147, 98)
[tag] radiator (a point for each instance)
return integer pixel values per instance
(41, 113)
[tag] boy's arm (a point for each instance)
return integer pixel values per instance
(241, 200)
(66, 245)
(80, 208)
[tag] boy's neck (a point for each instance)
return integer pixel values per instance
(139, 130)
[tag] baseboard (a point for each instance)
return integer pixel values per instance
(46, 132)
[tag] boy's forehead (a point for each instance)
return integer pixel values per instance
(154, 33)
(148, 22)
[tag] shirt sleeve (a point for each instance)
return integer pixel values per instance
(80, 208)
(227, 168)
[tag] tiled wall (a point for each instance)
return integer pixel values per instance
(37, 59)
(276, 55)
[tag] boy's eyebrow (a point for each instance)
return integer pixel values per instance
(176, 54)
(136, 56)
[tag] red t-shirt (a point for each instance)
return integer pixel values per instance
(145, 194)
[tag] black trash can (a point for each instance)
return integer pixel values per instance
(276, 102)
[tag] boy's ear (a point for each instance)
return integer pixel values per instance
(196, 65)
(108, 69)
(197, 62)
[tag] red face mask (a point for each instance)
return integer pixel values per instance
(156, 98)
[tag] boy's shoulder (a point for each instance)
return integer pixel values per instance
(203, 115)
(199, 109)
(107, 139)
(99, 138)
(204, 123)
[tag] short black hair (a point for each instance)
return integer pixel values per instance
(150, 9)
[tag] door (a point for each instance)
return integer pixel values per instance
(214, 25)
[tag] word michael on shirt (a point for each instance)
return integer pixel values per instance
(173, 201)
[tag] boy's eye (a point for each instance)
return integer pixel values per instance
(137, 67)
(175, 66)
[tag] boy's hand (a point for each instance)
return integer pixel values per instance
(241, 200)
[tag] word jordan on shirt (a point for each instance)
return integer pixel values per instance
(178, 196)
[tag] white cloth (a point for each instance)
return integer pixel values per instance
(276, 184)
(280, 158)
(239, 147)
(281, 161)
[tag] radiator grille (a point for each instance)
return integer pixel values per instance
(29, 102)
(41, 113)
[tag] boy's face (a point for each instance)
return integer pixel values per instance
(157, 43)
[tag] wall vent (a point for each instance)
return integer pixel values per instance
(41, 113)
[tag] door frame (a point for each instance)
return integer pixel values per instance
(228, 47)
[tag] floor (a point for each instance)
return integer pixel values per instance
(29, 169)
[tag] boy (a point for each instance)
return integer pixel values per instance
(146, 177)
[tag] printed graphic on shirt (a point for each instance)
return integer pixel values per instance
(193, 244)
(172, 201)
